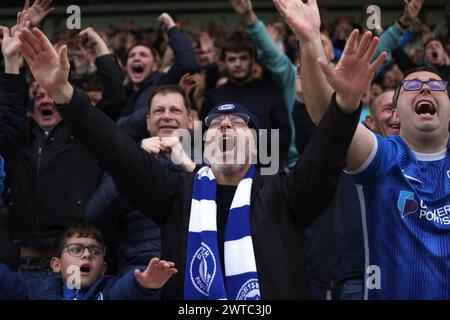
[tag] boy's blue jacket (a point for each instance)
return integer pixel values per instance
(15, 286)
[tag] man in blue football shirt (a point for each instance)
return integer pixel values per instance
(403, 181)
(404, 189)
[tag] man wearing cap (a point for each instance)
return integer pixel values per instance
(261, 96)
(232, 232)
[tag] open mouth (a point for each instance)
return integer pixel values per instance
(167, 127)
(226, 143)
(394, 126)
(137, 69)
(425, 107)
(85, 268)
(434, 54)
(46, 112)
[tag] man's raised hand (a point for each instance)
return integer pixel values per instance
(156, 274)
(354, 72)
(11, 42)
(166, 20)
(38, 11)
(244, 8)
(94, 40)
(302, 17)
(411, 11)
(49, 68)
(241, 7)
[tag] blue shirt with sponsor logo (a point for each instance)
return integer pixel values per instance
(405, 207)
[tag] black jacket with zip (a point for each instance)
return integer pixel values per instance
(281, 206)
(50, 177)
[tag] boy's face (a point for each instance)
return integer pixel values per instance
(81, 262)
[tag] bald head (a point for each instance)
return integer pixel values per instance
(383, 118)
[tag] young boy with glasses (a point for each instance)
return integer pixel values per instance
(78, 274)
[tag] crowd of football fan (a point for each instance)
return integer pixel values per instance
(75, 178)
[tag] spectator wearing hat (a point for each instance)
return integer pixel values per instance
(233, 232)
(261, 96)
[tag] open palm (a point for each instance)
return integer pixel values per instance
(241, 6)
(10, 43)
(49, 68)
(38, 11)
(412, 9)
(302, 17)
(353, 74)
(156, 274)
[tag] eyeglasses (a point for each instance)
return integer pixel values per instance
(77, 250)
(416, 84)
(237, 119)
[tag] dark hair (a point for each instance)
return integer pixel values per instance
(433, 39)
(80, 231)
(93, 83)
(238, 42)
(154, 52)
(414, 70)
(171, 88)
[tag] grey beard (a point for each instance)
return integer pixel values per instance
(227, 169)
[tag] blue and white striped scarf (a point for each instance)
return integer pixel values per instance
(203, 277)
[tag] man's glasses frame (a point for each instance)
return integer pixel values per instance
(417, 84)
(236, 116)
(77, 250)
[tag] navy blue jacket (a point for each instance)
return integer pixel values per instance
(137, 237)
(114, 95)
(334, 241)
(135, 124)
(185, 62)
(16, 286)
